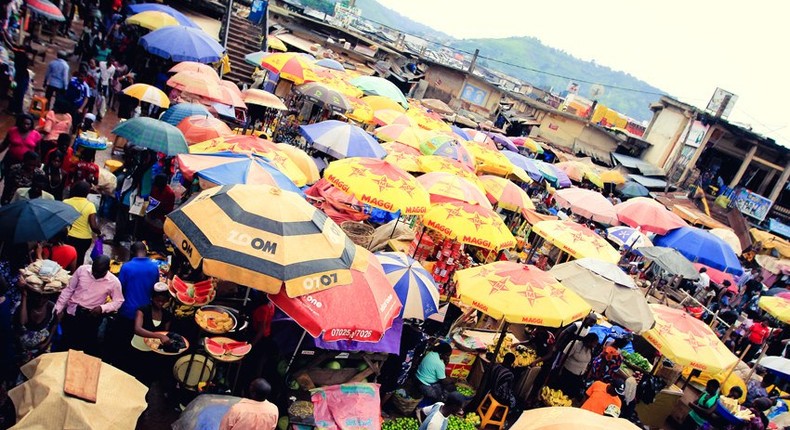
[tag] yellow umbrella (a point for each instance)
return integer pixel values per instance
(401, 155)
(262, 237)
(152, 20)
(563, 418)
(687, 341)
(506, 194)
(532, 145)
(380, 103)
(360, 112)
(470, 224)
(305, 163)
(519, 293)
(274, 43)
(338, 80)
(577, 240)
(407, 135)
(771, 241)
(574, 169)
(437, 163)
(446, 187)
(428, 121)
(290, 66)
(390, 117)
(593, 176)
(778, 307)
(613, 177)
(489, 160)
(379, 184)
(149, 94)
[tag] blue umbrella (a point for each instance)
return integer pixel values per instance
(525, 163)
(503, 140)
(701, 246)
(413, 284)
(229, 168)
(330, 64)
(180, 17)
(176, 113)
(631, 189)
(179, 43)
(34, 220)
(342, 140)
(460, 131)
(627, 236)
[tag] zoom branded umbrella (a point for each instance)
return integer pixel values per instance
(175, 113)
(262, 237)
(34, 220)
(153, 134)
(179, 43)
(701, 246)
(341, 140)
(414, 286)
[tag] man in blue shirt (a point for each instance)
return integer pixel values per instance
(57, 77)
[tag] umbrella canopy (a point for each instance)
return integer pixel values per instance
(255, 58)
(334, 315)
(437, 105)
(588, 204)
(622, 304)
(489, 160)
(414, 286)
(228, 168)
(773, 265)
(688, 341)
(152, 20)
(45, 9)
(728, 236)
(229, 95)
(180, 17)
(435, 163)
(779, 365)
(506, 194)
(179, 43)
(199, 84)
(405, 160)
(303, 161)
(469, 224)
(446, 187)
(480, 137)
(460, 132)
(330, 64)
(701, 246)
(520, 294)
(649, 215)
(428, 120)
(378, 103)
(262, 237)
(563, 418)
(153, 134)
(718, 276)
(401, 133)
(529, 143)
(771, 241)
(202, 128)
(613, 177)
(379, 184)
(34, 220)
(272, 42)
(376, 86)
(257, 97)
(575, 170)
(449, 149)
(671, 261)
(290, 66)
(149, 94)
(175, 113)
(525, 163)
(325, 96)
(397, 147)
(632, 189)
(342, 140)
(627, 237)
(198, 68)
(503, 141)
(360, 112)
(41, 403)
(577, 240)
(777, 306)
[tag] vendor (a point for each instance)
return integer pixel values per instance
(433, 382)
(254, 413)
(604, 398)
(151, 321)
(437, 415)
(502, 379)
(606, 365)
(35, 322)
(703, 407)
(577, 357)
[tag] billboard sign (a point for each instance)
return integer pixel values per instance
(752, 204)
(722, 102)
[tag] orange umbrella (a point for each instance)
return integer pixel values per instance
(230, 97)
(290, 66)
(195, 67)
(195, 83)
(262, 98)
(304, 162)
(199, 128)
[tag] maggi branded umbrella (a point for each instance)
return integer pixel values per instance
(577, 240)
(506, 194)
(446, 187)
(778, 307)
(469, 224)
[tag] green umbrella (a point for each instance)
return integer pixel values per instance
(375, 86)
(153, 134)
(546, 171)
(255, 58)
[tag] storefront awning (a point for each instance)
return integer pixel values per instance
(648, 182)
(643, 167)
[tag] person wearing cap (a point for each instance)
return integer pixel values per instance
(437, 415)
(604, 399)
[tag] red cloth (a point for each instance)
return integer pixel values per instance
(336, 204)
(61, 254)
(18, 145)
(167, 200)
(86, 171)
(262, 319)
(68, 162)
(758, 332)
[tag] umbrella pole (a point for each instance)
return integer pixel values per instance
(296, 351)
(535, 245)
(502, 334)
(415, 248)
(395, 226)
(760, 358)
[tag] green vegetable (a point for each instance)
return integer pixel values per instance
(401, 424)
(637, 360)
(334, 365)
(465, 390)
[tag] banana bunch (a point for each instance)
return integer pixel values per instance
(524, 356)
(554, 397)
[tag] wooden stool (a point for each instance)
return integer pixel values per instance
(492, 413)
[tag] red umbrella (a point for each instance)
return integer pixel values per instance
(46, 9)
(199, 128)
(719, 277)
(587, 203)
(361, 311)
(648, 214)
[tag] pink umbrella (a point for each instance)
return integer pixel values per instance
(648, 214)
(588, 204)
(718, 276)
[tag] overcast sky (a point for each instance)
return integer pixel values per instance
(686, 48)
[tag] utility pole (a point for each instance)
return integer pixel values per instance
(474, 61)
(228, 15)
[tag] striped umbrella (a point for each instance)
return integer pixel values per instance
(149, 94)
(46, 9)
(179, 43)
(290, 66)
(262, 237)
(342, 140)
(528, 143)
(180, 17)
(627, 237)
(151, 20)
(413, 284)
(153, 134)
(325, 96)
(406, 134)
(202, 128)
(175, 113)
(228, 168)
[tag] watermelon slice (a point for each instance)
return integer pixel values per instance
(179, 285)
(203, 286)
(232, 345)
(241, 351)
(185, 298)
(214, 348)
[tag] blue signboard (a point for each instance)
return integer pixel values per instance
(752, 204)
(257, 11)
(474, 95)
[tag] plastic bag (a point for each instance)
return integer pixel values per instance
(98, 248)
(347, 407)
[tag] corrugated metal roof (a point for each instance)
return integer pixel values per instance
(648, 182)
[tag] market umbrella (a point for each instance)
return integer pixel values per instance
(362, 309)
(450, 149)
(34, 220)
(701, 246)
(648, 215)
(718, 276)
(325, 96)
(397, 147)
(179, 43)
(488, 160)
(503, 141)
(435, 163)
(672, 261)
(198, 68)
(405, 134)
(175, 113)
(480, 137)
(588, 204)
(618, 299)
(199, 84)
(772, 264)
(41, 402)
(627, 237)
(506, 194)
(388, 344)
(229, 95)
(771, 241)
(576, 239)
(776, 306)
(563, 418)
(414, 285)
(46, 9)
(687, 341)
(255, 58)
(330, 64)
(779, 365)
(547, 172)
(272, 42)
(376, 86)
(520, 294)
(469, 224)
(379, 184)
(152, 20)
(153, 134)
(149, 94)
(574, 169)
(460, 132)
(403, 159)
(428, 120)
(446, 187)
(437, 105)
(180, 17)
(531, 144)
(262, 237)
(360, 112)
(228, 168)
(378, 103)
(728, 236)
(525, 163)
(341, 140)
(613, 177)
(303, 161)
(290, 66)
(631, 189)
(198, 128)
(257, 97)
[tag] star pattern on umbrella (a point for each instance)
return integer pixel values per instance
(383, 183)
(557, 292)
(484, 272)
(477, 221)
(358, 171)
(453, 212)
(694, 343)
(407, 187)
(531, 295)
(664, 329)
(498, 286)
(279, 158)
